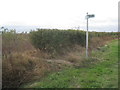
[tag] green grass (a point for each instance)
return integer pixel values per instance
(103, 74)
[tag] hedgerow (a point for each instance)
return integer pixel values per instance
(55, 40)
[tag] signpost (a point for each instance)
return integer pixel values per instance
(87, 17)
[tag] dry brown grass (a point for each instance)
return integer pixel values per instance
(76, 55)
(98, 42)
(20, 68)
(22, 62)
(72, 57)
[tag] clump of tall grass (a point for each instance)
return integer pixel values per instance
(14, 42)
(21, 68)
(20, 60)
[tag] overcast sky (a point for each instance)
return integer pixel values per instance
(62, 14)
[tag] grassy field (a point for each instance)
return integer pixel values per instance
(102, 73)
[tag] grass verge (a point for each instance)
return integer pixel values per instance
(103, 74)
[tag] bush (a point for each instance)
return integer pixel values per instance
(56, 40)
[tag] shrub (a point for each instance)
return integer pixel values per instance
(56, 40)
